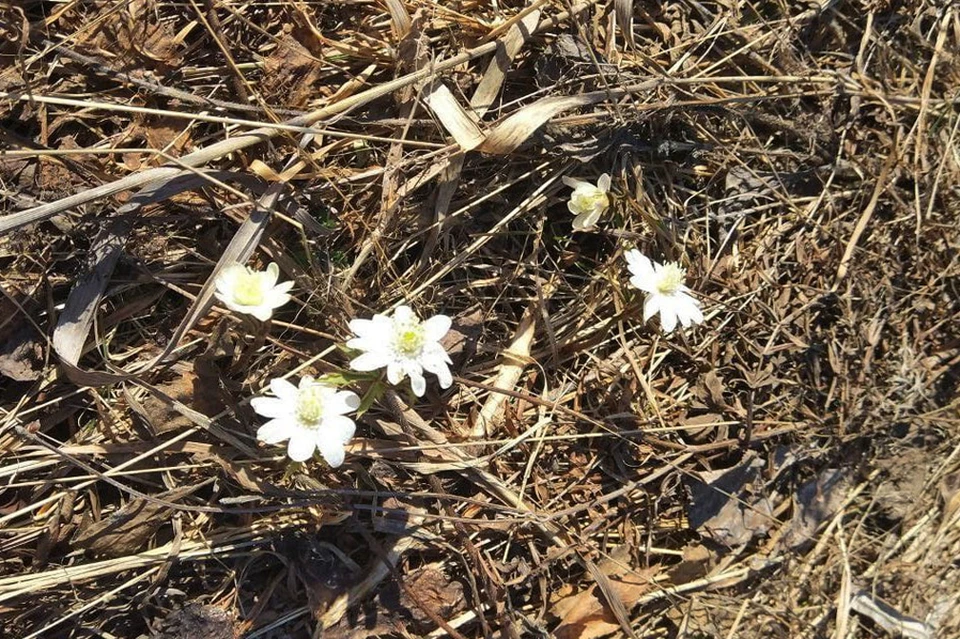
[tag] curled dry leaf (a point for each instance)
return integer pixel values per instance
(455, 119)
(505, 137)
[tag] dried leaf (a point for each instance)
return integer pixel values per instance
(128, 530)
(697, 562)
(21, 353)
(950, 491)
(197, 392)
(430, 590)
(585, 615)
(889, 618)
(291, 74)
(515, 360)
(509, 134)
(193, 621)
(455, 119)
(624, 9)
(84, 299)
(815, 502)
(725, 506)
(507, 49)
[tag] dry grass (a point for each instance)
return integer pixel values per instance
(801, 159)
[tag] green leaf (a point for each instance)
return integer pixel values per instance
(377, 388)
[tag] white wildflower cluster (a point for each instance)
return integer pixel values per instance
(312, 416)
(664, 284)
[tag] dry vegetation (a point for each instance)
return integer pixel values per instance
(787, 469)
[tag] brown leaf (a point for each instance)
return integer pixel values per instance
(462, 336)
(586, 615)
(291, 73)
(21, 355)
(128, 530)
(125, 532)
(697, 562)
(698, 427)
(197, 392)
(950, 491)
(430, 590)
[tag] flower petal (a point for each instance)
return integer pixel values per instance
(586, 221)
(639, 264)
(342, 402)
(271, 407)
(275, 431)
(436, 327)
(688, 311)
(574, 183)
(363, 328)
(332, 452)
(273, 272)
(444, 376)
(284, 390)
(651, 306)
(433, 356)
(418, 383)
(696, 315)
(275, 299)
(302, 444)
(338, 429)
(227, 278)
(404, 314)
(394, 372)
(604, 182)
(668, 318)
(262, 312)
(369, 361)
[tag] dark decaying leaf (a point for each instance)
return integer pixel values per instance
(729, 506)
(195, 621)
(21, 346)
(21, 354)
(815, 503)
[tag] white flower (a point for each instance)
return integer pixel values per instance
(666, 292)
(587, 202)
(404, 345)
(245, 290)
(311, 416)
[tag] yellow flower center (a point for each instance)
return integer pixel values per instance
(671, 278)
(410, 340)
(584, 200)
(247, 290)
(310, 406)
